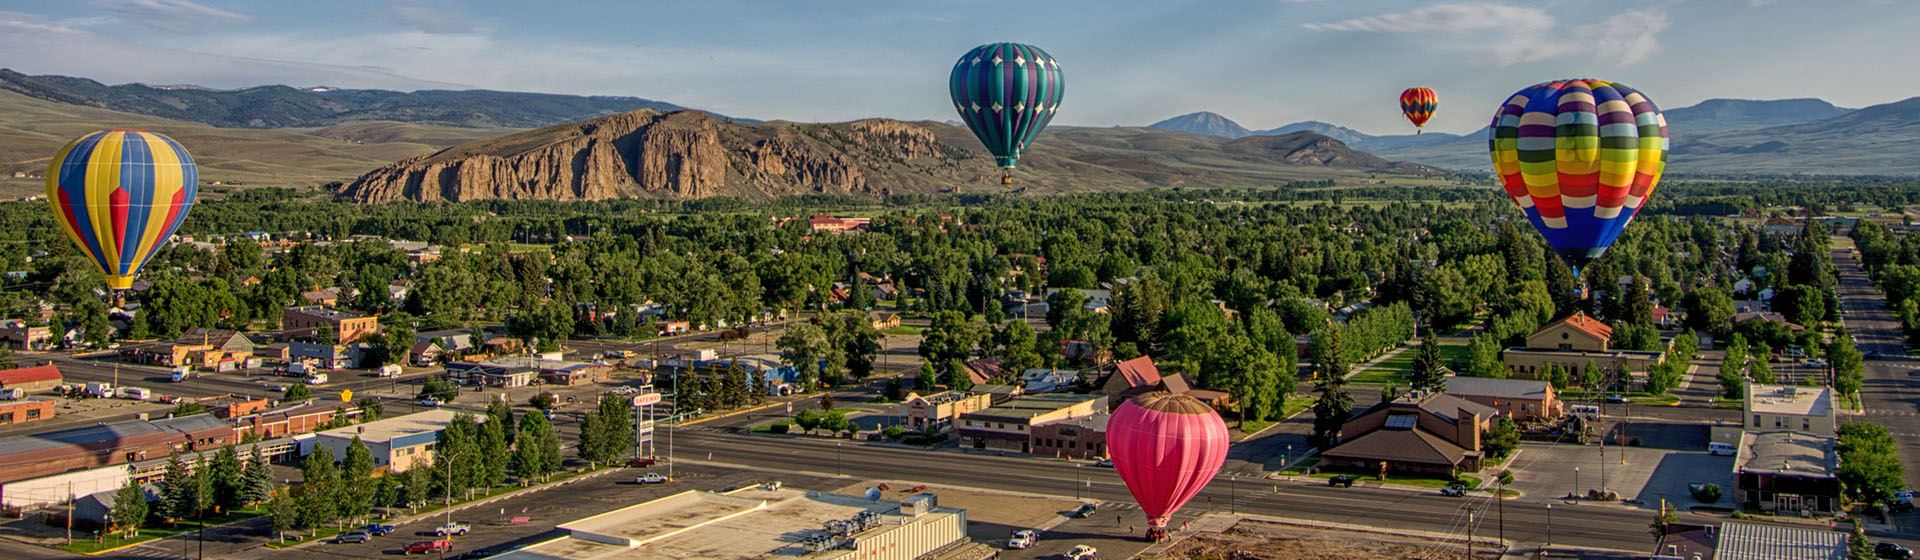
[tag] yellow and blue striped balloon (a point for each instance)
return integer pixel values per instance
(119, 195)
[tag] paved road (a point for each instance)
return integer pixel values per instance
(1891, 391)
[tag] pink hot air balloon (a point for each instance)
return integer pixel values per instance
(1166, 447)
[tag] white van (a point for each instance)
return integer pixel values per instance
(1586, 411)
(1717, 448)
(135, 393)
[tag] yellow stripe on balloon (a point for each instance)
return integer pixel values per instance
(166, 182)
(103, 176)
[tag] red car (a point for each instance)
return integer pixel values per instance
(430, 547)
(642, 462)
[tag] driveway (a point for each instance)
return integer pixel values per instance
(1670, 456)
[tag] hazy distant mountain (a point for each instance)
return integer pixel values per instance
(1721, 115)
(1205, 123)
(1352, 137)
(1871, 140)
(287, 107)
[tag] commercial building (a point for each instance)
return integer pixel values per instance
(115, 443)
(938, 411)
(163, 353)
(1084, 437)
(1523, 400)
(25, 410)
(1787, 471)
(396, 443)
(1575, 344)
(1734, 540)
(32, 379)
(1009, 426)
(1790, 407)
(493, 374)
(347, 326)
(757, 522)
(293, 420)
(18, 335)
(234, 406)
(1433, 434)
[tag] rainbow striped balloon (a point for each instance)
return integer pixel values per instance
(119, 194)
(1418, 104)
(1580, 157)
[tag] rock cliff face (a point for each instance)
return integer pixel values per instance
(687, 154)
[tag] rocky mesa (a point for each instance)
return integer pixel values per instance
(690, 154)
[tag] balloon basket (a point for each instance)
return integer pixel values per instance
(1156, 534)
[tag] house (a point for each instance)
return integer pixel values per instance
(883, 320)
(396, 443)
(96, 510)
(1576, 343)
(328, 297)
(1009, 426)
(1766, 316)
(1663, 317)
(16, 334)
(220, 349)
(1047, 380)
(1121, 381)
(347, 326)
(1787, 471)
(425, 354)
(1743, 286)
(938, 411)
(984, 370)
(21, 411)
(32, 379)
(1084, 351)
(1781, 227)
(1433, 434)
(1524, 400)
(832, 224)
(1807, 410)
(1082, 437)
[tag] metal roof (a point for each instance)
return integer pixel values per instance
(1754, 541)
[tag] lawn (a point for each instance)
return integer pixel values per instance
(324, 533)
(1400, 479)
(90, 547)
(902, 330)
(1394, 370)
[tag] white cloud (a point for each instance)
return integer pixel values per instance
(172, 15)
(1505, 35)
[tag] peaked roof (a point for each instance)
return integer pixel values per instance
(1496, 388)
(1411, 446)
(1139, 372)
(1584, 323)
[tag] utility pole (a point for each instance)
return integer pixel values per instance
(1549, 525)
(70, 505)
(1469, 534)
(448, 507)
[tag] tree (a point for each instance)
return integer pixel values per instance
(228, 478)
(370, 410)
(1870, 469)
(1558, 376)
(607, 431)
(1502, 438)
(1858, 546)
(1329, 356)
(187, 408)
(283, 515)
(928, 377)
(1760, 368)
(806, 347)
(1483, 357)
(543, 325)
(297, 392)
(356, 492)
(1709, 310)
(494, 453)
(129, 509)
(501, 412)
(177, 490)
(543, 401)
(1849, 372)
(536, 450)
(319, 489)
(1429, 367)
(257, 483)
(1733, 376)
(438, 388)
(1332, 408)
(1663, 377)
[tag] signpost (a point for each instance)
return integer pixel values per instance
(346, 396)
(643, 423)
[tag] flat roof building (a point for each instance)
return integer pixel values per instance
(1787, 471)
(396, 443)
(758, 522)
(1790, 407)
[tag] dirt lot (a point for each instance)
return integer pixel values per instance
(1258, 540)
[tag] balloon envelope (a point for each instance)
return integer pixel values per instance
(1006, 93)
(1418, 105)
(118, 195)
(1166, 447)
(1580, 157)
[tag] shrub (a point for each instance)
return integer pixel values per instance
(780, 428)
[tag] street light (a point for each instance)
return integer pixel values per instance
(1576, 482)
(836, 460)
(448, 491)
(1549, 525)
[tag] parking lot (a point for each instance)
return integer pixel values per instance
(1670, 456)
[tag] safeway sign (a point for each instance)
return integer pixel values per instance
(646, 399)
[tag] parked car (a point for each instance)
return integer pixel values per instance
(1086, 510)
(642, 462)
(652, 478)
(1022, 539)
(1455, 490)
(429, 547)
(353, 537)
(430, 402)
(1816, 362)
(1618, 399)
(1892, 551)
(1341, 480)
(1083, 552)
(377, 529)
(1108, 463)
(452, 529)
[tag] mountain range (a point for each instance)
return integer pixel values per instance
(1714, 136)
(279, 106)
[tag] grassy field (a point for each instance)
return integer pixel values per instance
(1394, 371)
(153, 533)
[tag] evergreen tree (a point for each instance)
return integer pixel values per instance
(928, 378)
(319, 489)
(536, 450)
(129, 508)
(257, 485)
(229, 479)
(1332, 408)
(1859, 547)
(494, 452)
(177, 490)
(500, 413)
(1429, 366)
(282, 514)
(357, 487)
(1329, 353)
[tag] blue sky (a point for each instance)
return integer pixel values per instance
(1262, 63)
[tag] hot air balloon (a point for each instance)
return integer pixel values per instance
(1167, 447)
(119, 194)
(1006, 93)
(1418, 103)
(1580, 157)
